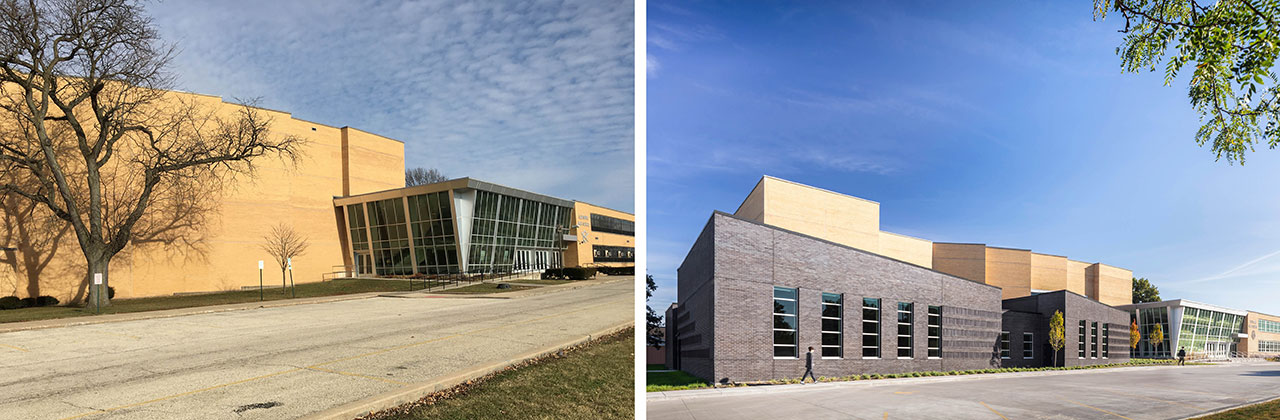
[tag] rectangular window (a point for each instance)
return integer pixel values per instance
(1093, 338)
(935, 332)
(1106, 340)
(1083, 342)
(832, 320)
(1268, 326)
(870, 328)
(1269, 346)
(784, 323)
(602, 223)
(1028, 345)
(906, 315)
(1004, 344)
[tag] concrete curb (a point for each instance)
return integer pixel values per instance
(1222, 410)
(414, 392)
(753, 390)
(537, 290)
(170, 313)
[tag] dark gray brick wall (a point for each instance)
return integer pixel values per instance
(1032, 313)
(694, 320)
(750, 259)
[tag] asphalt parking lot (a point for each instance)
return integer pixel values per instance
(1164, 392)
(284, 362)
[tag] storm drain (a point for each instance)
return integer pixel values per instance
(254, 406)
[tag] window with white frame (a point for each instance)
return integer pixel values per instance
(784, 323)
(935, 332)
(1269, 346)
(832, 320)
(1004, 344)
(1106, 340)
(906, 316)
(1093, 338)
(1028, 345)
(1083, 342)
(870, 328)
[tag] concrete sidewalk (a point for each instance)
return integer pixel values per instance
(1134, 393)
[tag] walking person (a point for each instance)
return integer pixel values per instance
(808, 366)
(1182, 356)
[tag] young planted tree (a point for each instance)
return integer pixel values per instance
(1157, 336)
(92, 131)
(1134, 335)
(1057, 334)
(423, 176)
(284, 244)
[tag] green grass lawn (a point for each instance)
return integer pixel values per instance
(672, 381)
(480, 288)
(544, 282)
(591, 382)
(1265, 411)
(328, 288)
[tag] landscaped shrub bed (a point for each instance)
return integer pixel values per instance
(1133, 362)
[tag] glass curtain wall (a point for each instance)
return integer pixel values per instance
(510, 233)
(1205, 331)
(1148, 318)
(390, 237)
(431, 220)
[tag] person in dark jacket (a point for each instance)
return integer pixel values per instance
(1182, 356)
(808, 366)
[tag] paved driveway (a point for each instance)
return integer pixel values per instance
(1129, 393)
(283, 362)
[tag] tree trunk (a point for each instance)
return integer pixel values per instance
(98, 295)
(283, 285)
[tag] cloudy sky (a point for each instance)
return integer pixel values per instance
(1005, 123)
(537, 95)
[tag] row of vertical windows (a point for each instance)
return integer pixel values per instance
(1269, 346)
(1028, 345)
(785, 326)
(1148, 319)
(784, 322)
(1269, 326)
(356, 224)
(602, 253)
(832, 318)
(1203, 330)
(1105, 344)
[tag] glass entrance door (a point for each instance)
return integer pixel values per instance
(364, 264)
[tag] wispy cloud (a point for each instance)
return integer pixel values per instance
(536, 95)
(1266, 264)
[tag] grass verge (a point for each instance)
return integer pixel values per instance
(591, 381)
(676, 381)
(480, 288)
(1265, 411)
(328, 288)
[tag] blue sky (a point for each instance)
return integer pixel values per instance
(537, 95)
(1005, 123)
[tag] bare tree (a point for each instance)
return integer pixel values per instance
(284, 243)
(95, 134)
(423, 176)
